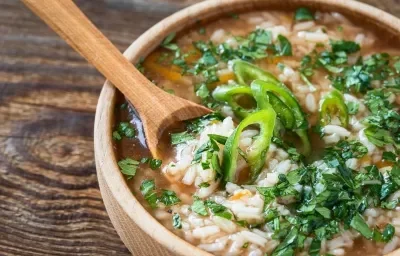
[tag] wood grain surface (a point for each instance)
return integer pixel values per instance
(49, 198)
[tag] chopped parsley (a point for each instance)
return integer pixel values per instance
(147, 188)
(155, 164)
(347, 77)
(332, 195)
(128, 167)
(284, 47)
(198, 124)
(167, 197)
(303, 14)
(204, 185)
(218, 209)
(116, 135)
(123, 129)
(176, 221)
(384, 121)
(345, 46)
(181, 137)
(352, 107)
(167, 42)
(202, 31)
(199, 207)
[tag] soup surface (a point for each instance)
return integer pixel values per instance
(300, 157)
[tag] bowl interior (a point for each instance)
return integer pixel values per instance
(112, 183)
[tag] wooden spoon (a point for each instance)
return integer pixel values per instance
(157, 109)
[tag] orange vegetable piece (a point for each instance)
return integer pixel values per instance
(169, 72)
(240, 194)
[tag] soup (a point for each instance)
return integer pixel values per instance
(300, 156)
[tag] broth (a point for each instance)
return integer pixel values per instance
(306, 38)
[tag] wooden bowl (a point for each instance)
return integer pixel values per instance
(141, 233)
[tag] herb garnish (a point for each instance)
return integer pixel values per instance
(167, 197)
(303, 14)
(384, 120)
(128, 167)
(176, 221)
(181, 137)
(148, 191)
(336, 197)
(123, 129)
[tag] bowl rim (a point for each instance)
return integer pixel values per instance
(106, 163)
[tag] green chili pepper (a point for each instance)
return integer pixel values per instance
(227, 93)
(266, 88)
(246, 73)
(255, 155)
(333, 103)
(290, 113)
(264, 91)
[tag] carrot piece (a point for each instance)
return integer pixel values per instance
(170, 72)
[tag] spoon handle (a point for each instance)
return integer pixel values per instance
(65, 18)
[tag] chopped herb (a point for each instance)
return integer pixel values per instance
(124, 105)
(199, 207)
(359, 224)
(128, 167)
(245, 245)
(389, 156)
(182, 137)
(198, 124)
(345, 46)
(124, 129)
(144, 160)
(205, 165)
(155, 164)
(384, 121)
(167, 42)
(176, 221)
(284, 47)
(139, 65)
(315, 247)
(218, 209)
(388, 233)
(204, 185)
(169, 198)
(396, 66)
(378, 137)
(346, 149)
(168, 39)
(303, 14)
(202, 31)
(147, 188)
(352, 107)
(234, 16)
(116, 135)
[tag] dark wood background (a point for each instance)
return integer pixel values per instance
(50, 203)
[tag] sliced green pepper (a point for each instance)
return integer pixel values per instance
(269, 91)
(333, 103)
(273, 92)
(227, 94)
(255, 154)
(292, 106)
(246, 73)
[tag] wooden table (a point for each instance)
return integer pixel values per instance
(50, 203)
